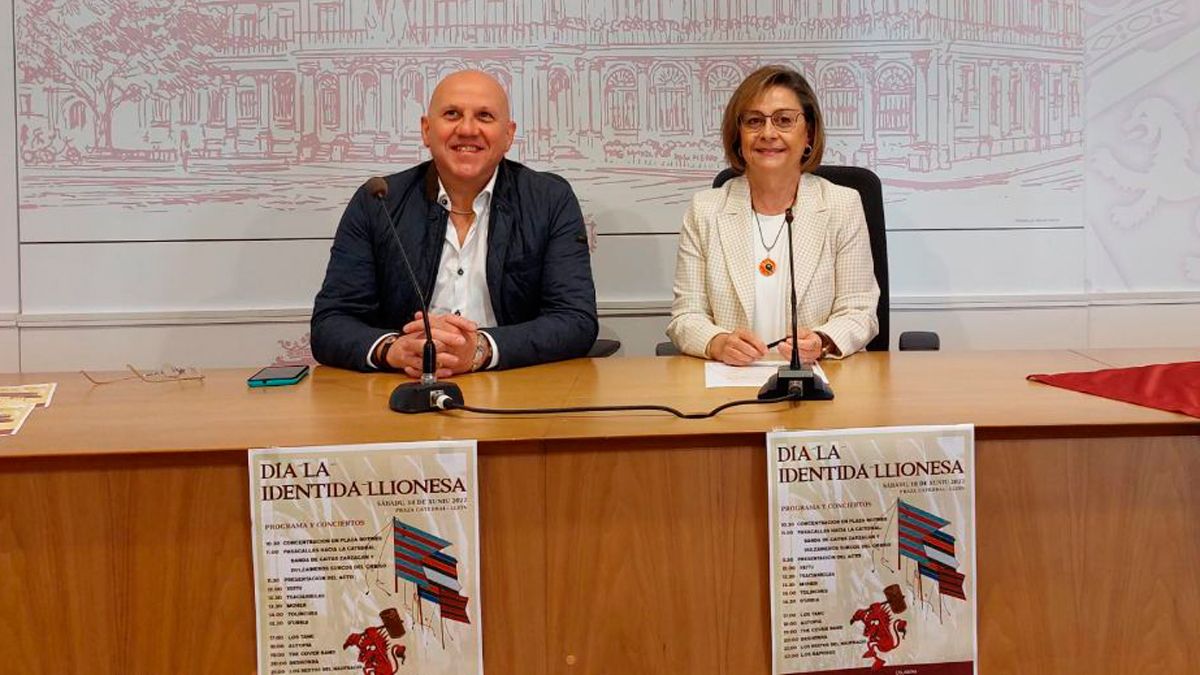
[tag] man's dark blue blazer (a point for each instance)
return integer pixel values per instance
(539, 271)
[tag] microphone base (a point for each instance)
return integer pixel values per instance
(418, 397)
(802, 384)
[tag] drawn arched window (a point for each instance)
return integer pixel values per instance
(412, 101)
(283, 92)
(672, 99)
(189, 107)
(1056, 97)
(1074, 96)
(366, 102)
(1016, 101)
(76, 115)
(995, 98)
(840, 92)
(329, 101)
(329, 17)
(894, 112)
(719, 86)
(562, 104)
(216, 106)
(966, 95)
(247, 100)
(160, 112)
(620, 95)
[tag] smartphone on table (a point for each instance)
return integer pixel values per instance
(276, 376)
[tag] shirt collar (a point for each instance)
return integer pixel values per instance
(485, 195)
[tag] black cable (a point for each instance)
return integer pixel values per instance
(446, 403)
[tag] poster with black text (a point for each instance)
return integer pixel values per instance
(366, 559)
(873, 550)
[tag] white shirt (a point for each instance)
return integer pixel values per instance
(771, 295)
(461, 284)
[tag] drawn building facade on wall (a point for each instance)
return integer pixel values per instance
(918, 84)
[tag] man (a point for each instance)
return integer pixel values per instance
(500, 251)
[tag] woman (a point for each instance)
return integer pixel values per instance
(731, 273)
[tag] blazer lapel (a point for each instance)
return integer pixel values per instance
(733, 226)
(434, 241)
(500, 225)
(811, 220)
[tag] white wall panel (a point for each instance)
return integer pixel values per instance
(1001, 328)
(10, 297)
(640, 268)
(71, 347)
(638, 334)
(10, 354)
(1149, 325)
(111, 347)
(996, 262)
(635, 268)
(161, 276)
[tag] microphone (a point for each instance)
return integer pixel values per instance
(795, 380)
(414, 397)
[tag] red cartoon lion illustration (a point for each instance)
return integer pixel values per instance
(883, 633)
(375, 651)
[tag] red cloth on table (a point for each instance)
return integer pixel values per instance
(1174, 387)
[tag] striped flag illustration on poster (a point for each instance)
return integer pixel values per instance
(420, 559)
(921, 537)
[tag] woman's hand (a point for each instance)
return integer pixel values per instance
(810, 347)
(739, 348)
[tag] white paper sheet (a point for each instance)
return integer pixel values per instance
(718, 374)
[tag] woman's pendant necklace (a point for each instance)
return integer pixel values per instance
(767, 266)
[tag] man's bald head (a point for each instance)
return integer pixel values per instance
(467, 129)
(477, 83)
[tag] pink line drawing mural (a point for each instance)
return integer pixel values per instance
(1143, 146)
(287, 104)
(1171, 175)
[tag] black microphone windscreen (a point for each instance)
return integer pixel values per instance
(376, 187)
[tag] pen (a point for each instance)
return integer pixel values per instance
(772, 345)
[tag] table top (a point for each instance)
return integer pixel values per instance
(332, 406)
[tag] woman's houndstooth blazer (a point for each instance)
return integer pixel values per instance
(836, 290)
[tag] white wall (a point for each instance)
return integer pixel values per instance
(215, 263)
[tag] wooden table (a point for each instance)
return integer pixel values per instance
(612, 543)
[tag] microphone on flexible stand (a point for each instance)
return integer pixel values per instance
(795, 380)
(415, 397)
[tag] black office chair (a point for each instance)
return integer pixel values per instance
(603, 347)
(870, 190)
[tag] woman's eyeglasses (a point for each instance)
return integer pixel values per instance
(168, 373)
(782, 120)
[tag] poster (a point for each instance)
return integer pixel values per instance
(366, 559)
(18, 401)
(873, 550)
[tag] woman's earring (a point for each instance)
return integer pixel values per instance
(807, 151)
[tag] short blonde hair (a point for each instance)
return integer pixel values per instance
(750, 89)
